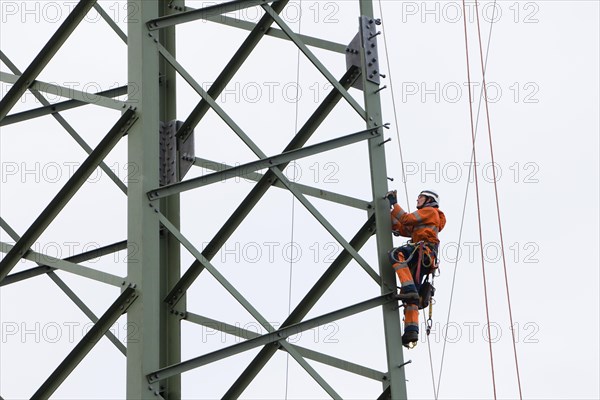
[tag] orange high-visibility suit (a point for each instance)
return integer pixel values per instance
(421, 225)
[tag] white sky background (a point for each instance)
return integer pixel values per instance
(542, 76)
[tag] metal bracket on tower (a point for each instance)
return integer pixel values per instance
(366, 38)
(176, 155)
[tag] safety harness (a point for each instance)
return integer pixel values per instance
(427, 262)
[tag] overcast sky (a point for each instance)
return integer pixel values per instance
(543, 90)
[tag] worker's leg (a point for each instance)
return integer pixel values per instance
(400, 265)
(411, 323)
(411, 310)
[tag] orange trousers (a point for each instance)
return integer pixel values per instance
(407, 284)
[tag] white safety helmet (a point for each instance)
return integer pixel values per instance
(435, 199)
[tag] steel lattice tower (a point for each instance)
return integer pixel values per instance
(155, 290)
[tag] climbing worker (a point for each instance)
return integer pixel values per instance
(418, 257)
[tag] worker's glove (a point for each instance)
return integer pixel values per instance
(392, 198)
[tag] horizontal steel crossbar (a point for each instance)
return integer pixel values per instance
(275, 336)
(202, 13)
(64, 265)
(44, 269)
(305, 189)
(304, 352)
(268, 162)
(69, 93)
(62, 106)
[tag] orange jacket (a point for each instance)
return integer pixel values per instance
(423, 224)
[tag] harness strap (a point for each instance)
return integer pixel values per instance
(419, 260)
(409, 257)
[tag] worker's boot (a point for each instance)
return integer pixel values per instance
(410, 339)
(411, 324)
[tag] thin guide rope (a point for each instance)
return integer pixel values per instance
(487, 111)
(464, 208)
(291, 269)
(487, 311)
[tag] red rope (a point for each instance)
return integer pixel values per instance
(487, 312)
(487, 111)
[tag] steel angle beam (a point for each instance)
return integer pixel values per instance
(61, 106)
(305, 189)
(259, 190)
(272, 337)
(86, 344)
(64, 265)
(268, 162)
(338, 363)
(44, 269)
(202, 13)
(4, 225)
(67, 192)
(44, 56)
(27, 274)
(302, 351)
(303, 308)
(70, 93)
(111, 22)
(292, 350)
(278, 33)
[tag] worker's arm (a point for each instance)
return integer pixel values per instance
(398, 226)
(424, 216)
(442, 220)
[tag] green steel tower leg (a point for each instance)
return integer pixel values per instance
(391, 318)
(143, 347)
(170, 260)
